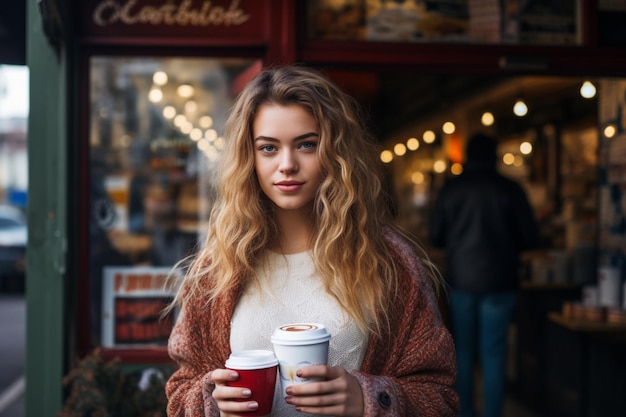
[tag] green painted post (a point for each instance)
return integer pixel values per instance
(47, 206)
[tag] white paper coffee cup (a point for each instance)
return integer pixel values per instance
(296, 346)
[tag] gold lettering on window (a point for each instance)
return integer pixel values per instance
(109, 12)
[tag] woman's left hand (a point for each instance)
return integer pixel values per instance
(338, 395)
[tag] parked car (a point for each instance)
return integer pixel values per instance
(13, 240)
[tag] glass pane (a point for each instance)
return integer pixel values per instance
(156, 128)
(552, 22)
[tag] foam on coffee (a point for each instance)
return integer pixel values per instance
(298, 327)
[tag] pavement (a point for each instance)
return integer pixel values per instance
(12, 354)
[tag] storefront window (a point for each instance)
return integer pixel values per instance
(542, 22)
(156, 127)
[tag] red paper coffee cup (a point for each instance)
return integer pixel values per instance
(257, 371)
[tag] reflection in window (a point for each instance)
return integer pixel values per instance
(444, 21)
(156, 127)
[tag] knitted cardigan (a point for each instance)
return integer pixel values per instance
(410, 372)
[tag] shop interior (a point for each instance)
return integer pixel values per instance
(156, 128)
(561, 138)
(156, 133)
(547, 128)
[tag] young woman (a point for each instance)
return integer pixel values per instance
(301, 231)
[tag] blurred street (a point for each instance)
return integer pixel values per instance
(12, 354)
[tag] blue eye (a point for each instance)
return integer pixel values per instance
(308, 145)
(267, 148)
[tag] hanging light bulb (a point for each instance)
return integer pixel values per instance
(439, 166)
(588, 90)
(159, 78)
(487, 118)
(412, 144)
(169, 112)
(399, 149)
(417, 177)
(520, 108)
(609, 131)
(386, 156)
(185, 90)
(155, 95)
(448, 128)
(429, 136)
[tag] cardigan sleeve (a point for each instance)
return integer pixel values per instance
(425, 389)
(188, 389)
(412, 372)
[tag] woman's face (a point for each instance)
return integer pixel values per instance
(285, 155)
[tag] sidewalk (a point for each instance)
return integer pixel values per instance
(12, 354)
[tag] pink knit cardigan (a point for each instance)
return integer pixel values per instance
(409, 373)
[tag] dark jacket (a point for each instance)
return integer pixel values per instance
(483, 221)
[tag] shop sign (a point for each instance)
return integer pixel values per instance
(174, 18)
(132, 301)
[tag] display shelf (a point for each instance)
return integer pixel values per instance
(540, 285)
(587, 326)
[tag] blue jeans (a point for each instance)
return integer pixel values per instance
(480, 322)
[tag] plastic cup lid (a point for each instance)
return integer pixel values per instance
(251, 359)
(300, 334)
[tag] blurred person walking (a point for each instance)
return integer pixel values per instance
(483, 221)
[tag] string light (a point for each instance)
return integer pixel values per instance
(399, 149)
(206, 122)
(155, 95)
(448, 128)
(429, 136)
(169, 112)
(185, 90)
(195, 134)
(417, 178)
(487, 119)
(526, 148)
(520, 108)
(159, 78)
(413, 144)
(588, 90)
(610, 131)
(386, 156)
(508, 158)
(439, 166)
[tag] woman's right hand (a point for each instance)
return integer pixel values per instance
(229, 399)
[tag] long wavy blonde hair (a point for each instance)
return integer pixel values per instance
(350, 209)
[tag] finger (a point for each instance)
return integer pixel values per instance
(334, 404)
(318, 401)
(223, 376)
(335, 379)
(339, 395)
(233, 399)
(237, 406)
(226, 393)
(312, 388)
(318, 371)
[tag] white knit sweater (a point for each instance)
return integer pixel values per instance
(292, 292)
